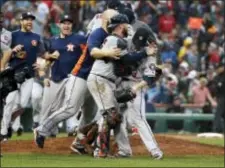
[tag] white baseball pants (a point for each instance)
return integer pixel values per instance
(19, 99)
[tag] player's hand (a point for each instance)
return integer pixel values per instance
(114, 53)
(38, 66)
(55, 55)
(152, 49)
(17, 48)
(46, 82)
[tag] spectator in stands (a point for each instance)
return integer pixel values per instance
(168, 55)
(185, 48)
(167, 91)
(149, 97)
(213, 54)
(192, 57)
(41, 11)
(167, 21)
(200, 94)
(181, 11)
(176, 106)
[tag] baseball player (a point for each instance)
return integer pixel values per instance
(101, 84)
(26, 46)
(97, 21)
(71, 49)
(135, 113)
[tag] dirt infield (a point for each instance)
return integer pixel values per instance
(171, 146)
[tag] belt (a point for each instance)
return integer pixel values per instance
(110, 79)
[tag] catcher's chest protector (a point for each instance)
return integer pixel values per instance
(122, 69)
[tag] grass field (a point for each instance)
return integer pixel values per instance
(34, 160)
(47, 160)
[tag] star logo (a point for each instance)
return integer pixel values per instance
(70, 47)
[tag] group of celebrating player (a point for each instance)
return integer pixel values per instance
(82, 75)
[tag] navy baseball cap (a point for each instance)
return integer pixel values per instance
(27, 15)
(66, 18)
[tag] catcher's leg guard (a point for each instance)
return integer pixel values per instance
(85, 136)
(111, 118)
(102, 142)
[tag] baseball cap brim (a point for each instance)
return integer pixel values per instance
(28, 17)
(64, 20)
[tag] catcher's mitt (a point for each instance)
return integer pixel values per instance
(125, 95)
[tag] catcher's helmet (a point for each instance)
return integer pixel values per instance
(116, 20)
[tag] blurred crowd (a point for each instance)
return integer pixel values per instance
(191, 39)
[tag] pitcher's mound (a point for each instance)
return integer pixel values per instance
(169, 145)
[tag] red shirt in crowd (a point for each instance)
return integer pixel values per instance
(166, 23)
(214, 57)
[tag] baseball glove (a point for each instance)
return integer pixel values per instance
(125, 95)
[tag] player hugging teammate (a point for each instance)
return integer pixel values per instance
(102, 85)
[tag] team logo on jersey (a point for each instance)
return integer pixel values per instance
(6, 38)
(34, 43)
(70, 47)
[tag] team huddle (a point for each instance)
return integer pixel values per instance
(95, 82)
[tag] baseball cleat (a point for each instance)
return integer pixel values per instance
(19, 132)
(121, 154)
(39, 139)
(157, 155)
(3, 138)
(99, 153)
(78, 149)
(10, 132)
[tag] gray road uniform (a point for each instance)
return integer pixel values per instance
(135, 112)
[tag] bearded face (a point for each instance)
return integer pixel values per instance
(27, 24)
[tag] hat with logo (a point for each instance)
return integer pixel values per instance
(27, 15)
(66, 18)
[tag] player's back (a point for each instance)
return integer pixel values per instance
(95, 23)
(105, 67)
